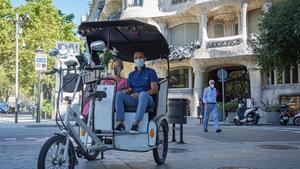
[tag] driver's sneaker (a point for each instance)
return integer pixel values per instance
(120, 128)
(134, 129)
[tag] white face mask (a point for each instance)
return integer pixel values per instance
(212, 85)
(139, 62)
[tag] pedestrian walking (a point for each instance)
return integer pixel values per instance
(210, 106)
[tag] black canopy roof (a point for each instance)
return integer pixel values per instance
(127, 36)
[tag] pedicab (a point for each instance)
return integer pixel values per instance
(88, 137)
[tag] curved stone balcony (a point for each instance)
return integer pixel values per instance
(223, 47)
(149, 9)
(223, 42)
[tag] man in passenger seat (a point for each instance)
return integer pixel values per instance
(142, 84)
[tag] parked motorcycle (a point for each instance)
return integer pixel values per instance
(284, 114)
(296, 120)
(246, 115)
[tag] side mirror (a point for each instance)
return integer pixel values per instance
(53, 52)
(98, 46)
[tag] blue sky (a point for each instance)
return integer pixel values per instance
(77, 7)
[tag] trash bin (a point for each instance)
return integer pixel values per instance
(177, 112)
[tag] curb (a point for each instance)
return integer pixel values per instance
(40, 125)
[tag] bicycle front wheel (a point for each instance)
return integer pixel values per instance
(52, 154)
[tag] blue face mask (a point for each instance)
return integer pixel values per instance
(139, 62)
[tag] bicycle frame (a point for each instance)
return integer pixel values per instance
(70, 131)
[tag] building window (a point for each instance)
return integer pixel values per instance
(219, 30)
(294, 73)
(179, 78)
(284, 75)
(287, 75)
(280, 74)
(184, 33)
(131, 3)
(177, 1)
(235, 29)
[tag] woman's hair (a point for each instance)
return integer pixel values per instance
(117, 60)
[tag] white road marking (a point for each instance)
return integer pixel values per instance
(10, 139)
(30, 138)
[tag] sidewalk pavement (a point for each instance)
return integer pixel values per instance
(24, 120)
(236, 147)
(27, 120)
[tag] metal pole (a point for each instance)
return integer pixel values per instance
(38, 114)
(17, 68)
(34, 96)
(223, 97)
(173, 136)
(181, 130)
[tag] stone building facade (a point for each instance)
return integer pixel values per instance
(204, 36)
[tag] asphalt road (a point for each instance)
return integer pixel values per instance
(233, 147)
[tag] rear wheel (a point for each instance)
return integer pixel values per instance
(282, 121)
(296, 121)
(237, 122)
(52, 153)
(253, 117)
(160, 152)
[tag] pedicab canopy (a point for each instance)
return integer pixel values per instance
(127, 36)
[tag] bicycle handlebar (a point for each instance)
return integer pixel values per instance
(50, 72)
(91, 68)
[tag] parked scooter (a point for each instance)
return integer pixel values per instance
(296, 120)
(284, 114)
(246, 115)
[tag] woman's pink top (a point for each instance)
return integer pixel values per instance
(121, 85)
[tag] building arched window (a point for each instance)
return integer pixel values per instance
(179, 78)
(235, 27)
(132, 3)
(219, 30)
(177, 1)
(184, 33)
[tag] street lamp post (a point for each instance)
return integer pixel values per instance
(38, 114)
(18, 22)
(17, 67)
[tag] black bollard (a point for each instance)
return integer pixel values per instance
(102, 155)
(181, 129)
(173, 137)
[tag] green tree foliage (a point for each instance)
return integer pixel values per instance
(46, 26)
(279, 42)
(6, 29)
(7, 46)
(47, 107)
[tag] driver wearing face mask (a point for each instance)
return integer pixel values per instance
(142, 83)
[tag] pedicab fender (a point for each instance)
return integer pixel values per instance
(159, 119)
(61, 133)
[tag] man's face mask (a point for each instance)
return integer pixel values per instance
(139, 62)
(212, 85)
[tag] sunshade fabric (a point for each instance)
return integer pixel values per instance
(127, 36)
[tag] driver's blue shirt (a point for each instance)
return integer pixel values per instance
(140, 81)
